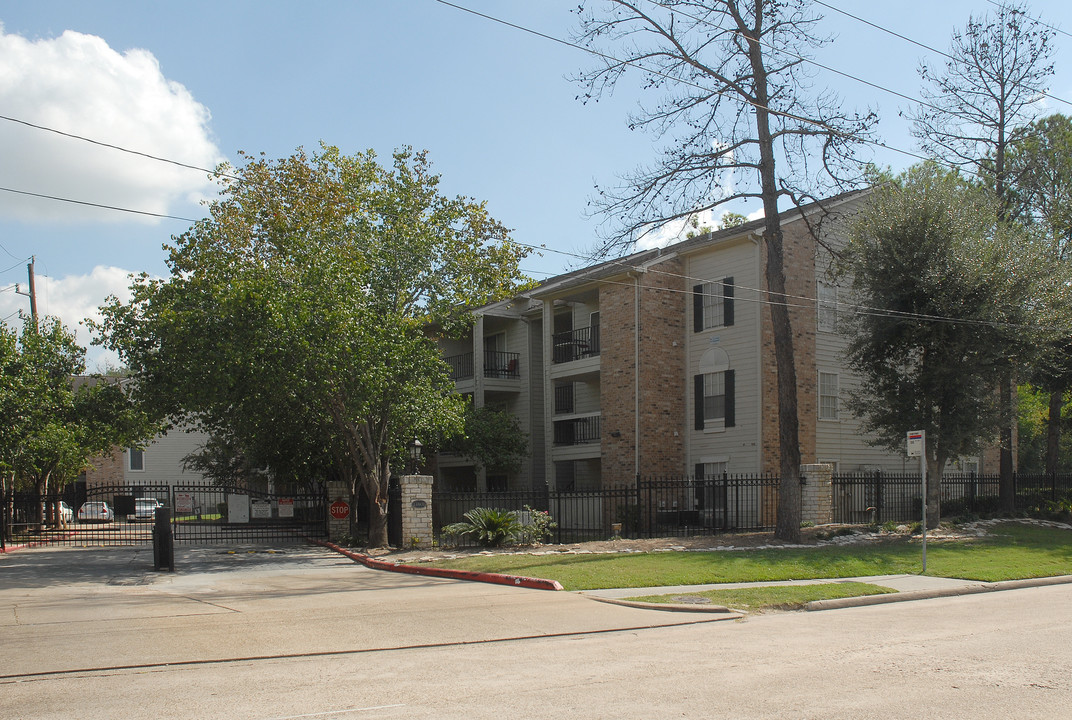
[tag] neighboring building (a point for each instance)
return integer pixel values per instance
(662, 363)
(159, 464)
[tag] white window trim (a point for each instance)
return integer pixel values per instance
(716, 424)
(716, 292)
(130, 460)
(836, 396)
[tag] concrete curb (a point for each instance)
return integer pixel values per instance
(670, 607)
(931, 594)
(494, 578)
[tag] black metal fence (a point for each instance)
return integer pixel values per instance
(694, 505)
(880, 497)
(201, 515)
(655, 507)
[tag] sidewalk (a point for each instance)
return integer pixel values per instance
(908, 587)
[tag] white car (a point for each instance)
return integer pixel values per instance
(145, 508)
(96, 511)
(66, 514)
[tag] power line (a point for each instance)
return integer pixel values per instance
(96, 205)
(629, 63)
(120, 148)
(20, 262)
(1039, 21)
(922, 45)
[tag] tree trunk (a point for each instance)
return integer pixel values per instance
(378, 523)
(1006, 489)
(934, 491)
(377, 486)
(1053, 431)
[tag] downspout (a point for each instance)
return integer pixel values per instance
(636, 375)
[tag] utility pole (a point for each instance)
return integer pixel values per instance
(32, 294)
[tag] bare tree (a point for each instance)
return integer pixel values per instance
(740, 122)
(977, 106)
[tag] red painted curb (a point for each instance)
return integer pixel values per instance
(495, 578)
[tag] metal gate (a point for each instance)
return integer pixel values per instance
(201, 515)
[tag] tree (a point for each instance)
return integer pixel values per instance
(977, 106)
(296, 317)
(938, 283)
(1041, 164)
(493, 439)
(735, 102)
(57, 419)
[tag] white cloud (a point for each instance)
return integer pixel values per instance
(77, 84)
(72, 299)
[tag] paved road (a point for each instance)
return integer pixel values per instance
(308, 634)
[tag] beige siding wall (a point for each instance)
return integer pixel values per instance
(736, 445)
(842, 441)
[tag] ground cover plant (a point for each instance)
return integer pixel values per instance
(1010, 551)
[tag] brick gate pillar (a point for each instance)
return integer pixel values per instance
(817, 494)
(417, 511)
(338, 529)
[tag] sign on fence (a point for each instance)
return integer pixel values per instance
(184, 502)
(286, 507)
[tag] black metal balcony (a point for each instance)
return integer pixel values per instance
(502, 364)
(578, 431)
(461, 366)
(575, 344)
(496, 365)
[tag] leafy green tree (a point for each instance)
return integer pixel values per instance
(977, 106)
(1041, 163)
(296, 316)
(734, 102)
(939, 284)
(493, 439)
(59, 419)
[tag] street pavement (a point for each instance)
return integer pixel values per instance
(296, 632)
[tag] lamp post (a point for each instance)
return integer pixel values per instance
(414, 455)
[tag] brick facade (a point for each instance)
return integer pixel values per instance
(106, 471)
(617, 313)
(657, 402)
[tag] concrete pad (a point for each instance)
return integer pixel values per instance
(65, 610)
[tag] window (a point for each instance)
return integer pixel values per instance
(712, 305)
(712, 469)
(714, 398)
(828, 396)
(827, 310)
(137, 460)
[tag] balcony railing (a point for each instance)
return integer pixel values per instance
(496, 365)
(563, 399)
(501, 364)
(578, 431)
(461, 366)
(575, 344)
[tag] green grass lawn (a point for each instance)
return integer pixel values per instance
(1011, 551)
(781, 597)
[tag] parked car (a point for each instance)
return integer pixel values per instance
(66, 514)
(96, 511)
(145, 508)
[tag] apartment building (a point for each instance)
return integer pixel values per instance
(662, 363)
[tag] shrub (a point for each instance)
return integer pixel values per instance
(490, 527)
(539, 528)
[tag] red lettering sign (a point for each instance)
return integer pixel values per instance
(340, 510)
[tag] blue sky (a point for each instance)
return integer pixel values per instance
(198, 81)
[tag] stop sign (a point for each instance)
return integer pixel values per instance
(340, 510)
